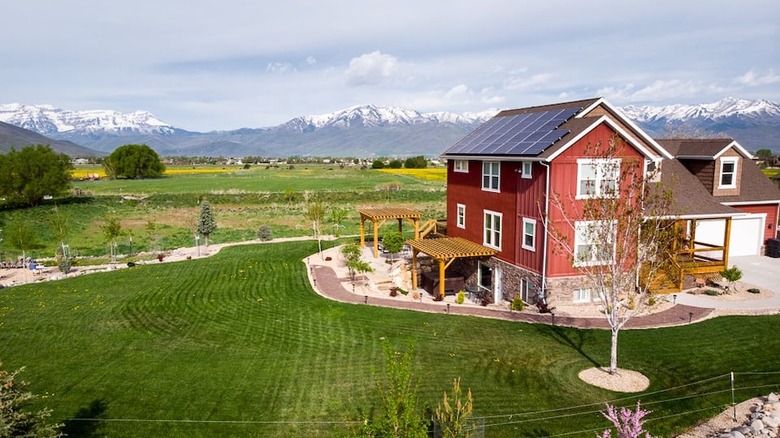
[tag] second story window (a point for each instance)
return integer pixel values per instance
(491, 176)
(461, 215)
(527, 172)
(597, 178)
(492, 230)
(461, 166)
(728, 173)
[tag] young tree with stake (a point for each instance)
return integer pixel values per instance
(617, 233)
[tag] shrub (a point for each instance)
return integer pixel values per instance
(402, 291)
(264, 233)
(393, 291)
(460, 297)
(754, 290)
(731, 275)
(711, 292)
(517, 304)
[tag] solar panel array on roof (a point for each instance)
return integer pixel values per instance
(520, 134)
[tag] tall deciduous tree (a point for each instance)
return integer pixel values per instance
(207, 224)
(29, 175)
(619, 237)
(133, 161)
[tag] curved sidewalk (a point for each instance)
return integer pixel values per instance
(327, 283)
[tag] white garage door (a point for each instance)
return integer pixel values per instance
(747, 235)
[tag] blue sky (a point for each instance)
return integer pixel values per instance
(225, 64)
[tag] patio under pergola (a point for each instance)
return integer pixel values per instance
(445, 250)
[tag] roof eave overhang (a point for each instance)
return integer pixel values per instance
(695, 216)
(601, 101)
(491, 157)
(742, 151)
(767, 202)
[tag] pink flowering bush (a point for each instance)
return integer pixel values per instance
(628, 423)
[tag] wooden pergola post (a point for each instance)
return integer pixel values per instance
(414, 268)
(375, 215)
(445, 251)
(362, 231)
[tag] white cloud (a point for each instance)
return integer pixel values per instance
(370, 69)
(674, 90)
(280, 67)
(311, 60)
(458, 92)
(517, 83)
(752, 79)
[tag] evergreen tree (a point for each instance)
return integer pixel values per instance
(15, 419)
(206, 222)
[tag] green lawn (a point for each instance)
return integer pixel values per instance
(242, 200)
(239, 345)
(303, 177)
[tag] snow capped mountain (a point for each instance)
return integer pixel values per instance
(725, 108)
(371, 115)
(48, 120)
(369, 130)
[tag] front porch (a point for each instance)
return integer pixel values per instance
(694, 256)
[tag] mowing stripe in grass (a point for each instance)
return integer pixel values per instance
(241, 337)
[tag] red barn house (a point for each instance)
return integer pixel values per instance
(500, 178)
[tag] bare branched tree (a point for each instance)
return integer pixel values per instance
(617, 232)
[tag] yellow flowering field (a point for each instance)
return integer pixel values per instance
(435, 174)
(89, 172)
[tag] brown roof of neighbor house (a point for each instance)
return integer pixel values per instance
(689, 197)
(696, 148)
(754, 186)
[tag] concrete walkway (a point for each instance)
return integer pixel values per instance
(757, 271)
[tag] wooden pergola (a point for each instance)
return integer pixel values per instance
(378, 216)
(445, 250)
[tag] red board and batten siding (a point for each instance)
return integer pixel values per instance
(466, 189)
(563, 182)
(771, 217)
(530, 196)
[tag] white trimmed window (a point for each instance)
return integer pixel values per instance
(461, 215)
(728, 173)
(529, 234)
(653, 170)
(490, 176)
(594, 243)
(492, 229)
(597, 178)
(581, 296)
(527, 170)
(461, 166)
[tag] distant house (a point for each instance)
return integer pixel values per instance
(500, 178)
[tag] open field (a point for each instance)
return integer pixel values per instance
(239, 345)
(243, 200)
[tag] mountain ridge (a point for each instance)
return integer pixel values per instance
(367, 130)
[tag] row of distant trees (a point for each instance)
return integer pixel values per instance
(418, 162)
(29, 175)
